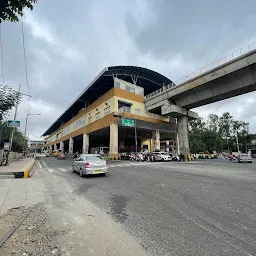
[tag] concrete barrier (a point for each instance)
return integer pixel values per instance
(111, 157)
(26, 172)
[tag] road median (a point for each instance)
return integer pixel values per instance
(19, 169)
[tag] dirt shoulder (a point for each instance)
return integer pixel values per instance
(34, 236)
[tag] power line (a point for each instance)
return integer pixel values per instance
(25, 65)
(22, 106)
(1, 50)
(24, 53)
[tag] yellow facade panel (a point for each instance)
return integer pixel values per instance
(97, 115)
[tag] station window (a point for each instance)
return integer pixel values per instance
(107, 110)
(75, 125)
(117, 84)
(129, 88)
(81, 122)
(132, 89)
(97, 116)
(89, 119)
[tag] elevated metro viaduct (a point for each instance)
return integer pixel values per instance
(228, 77)
(95, 117)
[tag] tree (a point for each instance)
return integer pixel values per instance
(10, 10)
(197, 125)
(8, 99)
(219, 134)
(226, 125)
(18, 138)
(196, 129)
(213, 122)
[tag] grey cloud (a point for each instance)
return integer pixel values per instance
(241, 107)
(200, 30)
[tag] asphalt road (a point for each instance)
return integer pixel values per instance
(198, 208)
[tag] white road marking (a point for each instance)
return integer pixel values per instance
(40, 166)
(63, 169)
(127, 164)
(50, 170)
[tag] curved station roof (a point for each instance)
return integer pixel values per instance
(146, 78)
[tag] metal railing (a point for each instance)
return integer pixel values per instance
(209, 67)
(140, 113)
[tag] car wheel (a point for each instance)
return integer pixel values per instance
(81, 173)
(102, 174)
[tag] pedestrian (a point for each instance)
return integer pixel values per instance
(75, 155)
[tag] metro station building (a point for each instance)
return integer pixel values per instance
(99, 115)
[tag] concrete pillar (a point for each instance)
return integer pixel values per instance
(85, 143)
(113, 142)
(167, 146)
(156, 140)
(70, 148)
(182, 140)
(177, 144)
(55, 147)
(62, 146)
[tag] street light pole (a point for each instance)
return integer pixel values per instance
(25, 133)
(237, 142)
(135, 131)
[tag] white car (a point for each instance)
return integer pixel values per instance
(164, 156)
(244, 158)
(87, 164)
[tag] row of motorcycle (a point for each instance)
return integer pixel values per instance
(148, 157)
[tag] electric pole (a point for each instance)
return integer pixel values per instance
(15, 115)
(237, 143)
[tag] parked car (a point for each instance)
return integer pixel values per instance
(90, 164)
(151, 157)
(164, 156)
(56, 152)
(244, 158)
(157, 157)
(61, 156)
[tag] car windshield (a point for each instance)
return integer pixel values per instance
(94, 158)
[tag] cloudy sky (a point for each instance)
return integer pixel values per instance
(69, 42)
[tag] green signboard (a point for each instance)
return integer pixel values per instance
(128, 122)
(13, 123)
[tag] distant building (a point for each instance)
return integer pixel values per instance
(35, 146)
